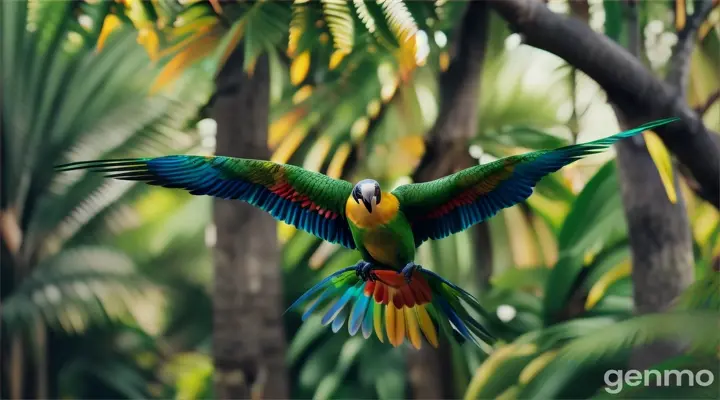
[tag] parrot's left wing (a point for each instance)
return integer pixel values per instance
(307, 200)
(439, 208)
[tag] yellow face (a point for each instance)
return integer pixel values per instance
(368, 206)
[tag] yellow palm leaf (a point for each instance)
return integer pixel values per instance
(300, 67)
(535, 366)
(336, 58)
(680, 14)
(337, 163)
(193, 52)
(148, 38)
(317, 154)
(359, 128)
(285, 232)
(236, 33)
(373, 108)
(302, 94)
(600, 287)
(663, 163)
(499, 356)
(110, 24)
(297, 27)
(291, 143)
(280, 127)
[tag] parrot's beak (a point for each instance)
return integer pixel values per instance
(367, 192)
(368, 204)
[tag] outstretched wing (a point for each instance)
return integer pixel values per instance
(451, 204)
(308, 200)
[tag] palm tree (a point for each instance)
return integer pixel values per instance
(63, 273)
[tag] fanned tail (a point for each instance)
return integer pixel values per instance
(390, 307)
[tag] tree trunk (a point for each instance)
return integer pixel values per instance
(626, 81)
(430, 370)
(659, 231)
(248, 333)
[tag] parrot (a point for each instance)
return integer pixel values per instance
(385, 292)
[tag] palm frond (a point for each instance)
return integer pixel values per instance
(698, 330)
(341, 25)
(399, 19)
(77, 287)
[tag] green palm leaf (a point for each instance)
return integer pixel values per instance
(612, 344)
(77, 287)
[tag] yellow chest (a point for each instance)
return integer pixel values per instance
(381, 215)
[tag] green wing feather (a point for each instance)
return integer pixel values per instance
(454, 203)
(307, 200)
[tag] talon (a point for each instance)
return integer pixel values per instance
(408, 271)
(363, 269)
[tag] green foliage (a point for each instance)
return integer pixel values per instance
(66, 277)
(96, 253)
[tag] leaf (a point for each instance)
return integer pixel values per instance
(347, 356)
(148, 38)
(680, 14)
(340, 23)
(110, 24)
(532, 369)
(299, 68)
(77, 287)
(521, 278)
(372, 15)
(498, 361)
(337, 163)
(661, 157)
(598, 290)
(614, 19)
(195, 50)
(594, 213)
(604, 347)
(10, 230)
(309, 332)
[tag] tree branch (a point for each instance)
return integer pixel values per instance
(627, 83)
(679, 65)
(702, 109)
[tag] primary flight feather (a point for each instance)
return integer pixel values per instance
(385, 292)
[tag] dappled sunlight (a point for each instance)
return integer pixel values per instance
(544, 266)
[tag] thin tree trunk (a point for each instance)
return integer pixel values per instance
(248, 333)
(659, 231)
(430, 370)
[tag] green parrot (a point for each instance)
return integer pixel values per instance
(386, 291)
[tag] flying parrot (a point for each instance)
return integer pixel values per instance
(386, 291)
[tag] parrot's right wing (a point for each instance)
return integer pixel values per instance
(307, 200)
(452, 204)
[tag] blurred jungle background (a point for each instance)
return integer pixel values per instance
(120, 290)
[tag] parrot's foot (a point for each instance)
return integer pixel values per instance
(364, 270)
(409, 269)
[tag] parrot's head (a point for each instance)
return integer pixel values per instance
(367, 191)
